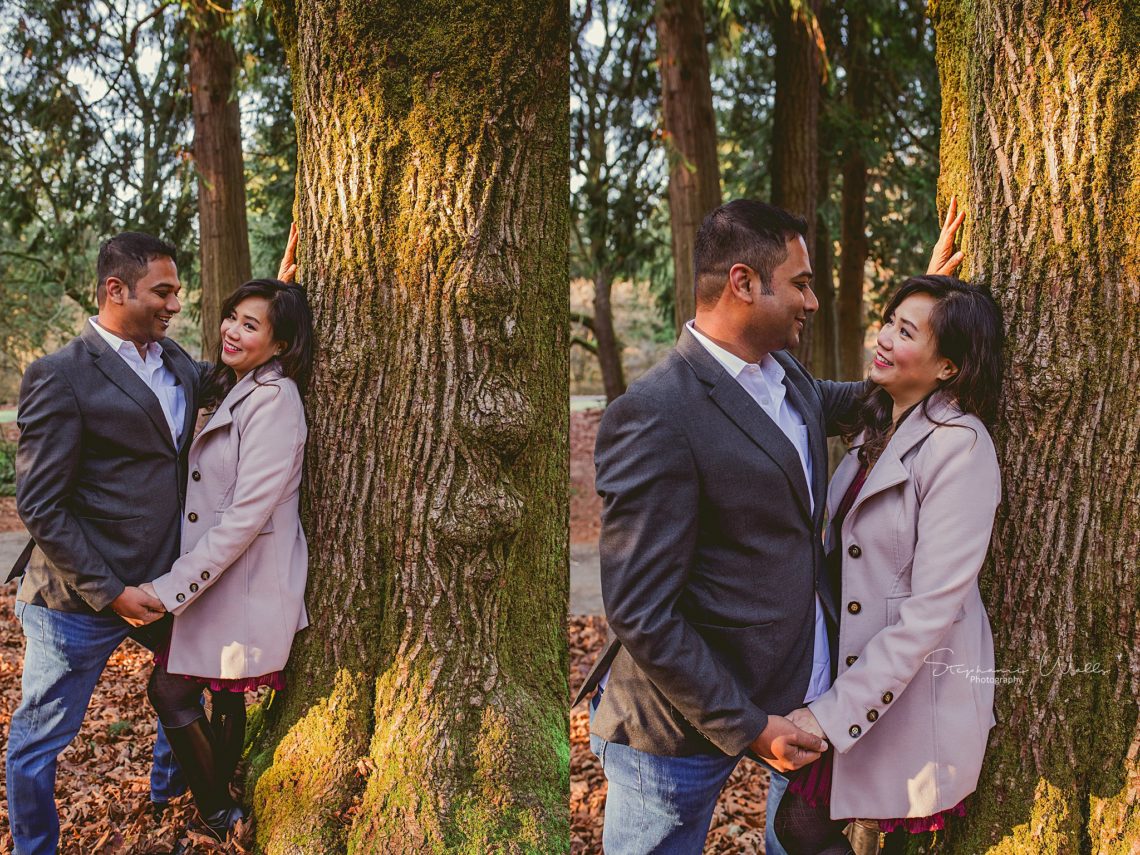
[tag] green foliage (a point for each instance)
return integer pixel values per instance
(270, 135)
(7, 468)
(618, 170)
(94, 134)
(900, 142)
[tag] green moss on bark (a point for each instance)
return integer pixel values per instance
(304, 786)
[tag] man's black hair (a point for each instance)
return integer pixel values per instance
(126, 256)
(743, 231)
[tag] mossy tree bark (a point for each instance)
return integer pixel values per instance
(690, 127)
(795, 120)
(427, 703)
(222, 229)
(1041, 113)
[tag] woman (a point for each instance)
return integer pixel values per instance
(911, 508)
(237, 591)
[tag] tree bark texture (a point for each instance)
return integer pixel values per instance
(223, 233)
(609, 351)
(690, 128)
(427, 704)
(1041, 113)
(853, 209)
(795, 120)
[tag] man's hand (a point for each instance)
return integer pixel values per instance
(288, 268)
(785, 747)
(943, 259)
(805, 720)
(137, 607)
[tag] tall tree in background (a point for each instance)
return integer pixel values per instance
(1041, 111)
(428, 707)
(690, 134)
(795, 123)
(223, 236)
(614, 159)
(825, 324)
(853, 259)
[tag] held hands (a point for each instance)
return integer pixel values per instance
(805, 720)
(785, 747)
(138, 607)
(288, 268)
(943, 259)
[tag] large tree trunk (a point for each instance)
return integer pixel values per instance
(853, 206)
(795, 120)
(427, 706)
(222, 229)
(1041, 113)
(825, 351)
(690, 126)
(609, 354)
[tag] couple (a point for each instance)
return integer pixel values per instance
(738, 630)
(191, 544)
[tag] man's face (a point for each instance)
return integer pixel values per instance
(780, 317)
(145, 316)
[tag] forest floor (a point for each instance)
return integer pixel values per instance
(102, 787)
(739, 820)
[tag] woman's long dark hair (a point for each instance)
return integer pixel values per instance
(966, 323)
(292, 322)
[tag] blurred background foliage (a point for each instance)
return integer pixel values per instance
(96, 137)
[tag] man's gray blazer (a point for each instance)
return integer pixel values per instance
(710, 554)
(99, 481)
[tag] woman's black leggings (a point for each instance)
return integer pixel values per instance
(806, 830)
(177, 699)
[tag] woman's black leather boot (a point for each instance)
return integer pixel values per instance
(194, 747)
(863, 835)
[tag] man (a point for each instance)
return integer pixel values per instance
(713, 470)
(105, 424)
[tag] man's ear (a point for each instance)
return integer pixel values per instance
(740, 281)
(117, 291)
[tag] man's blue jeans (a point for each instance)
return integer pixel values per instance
(665, 804)
(656, 803)
(777, 785)
(64, 657)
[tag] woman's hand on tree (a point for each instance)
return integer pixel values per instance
(288, 268)
(943, 259)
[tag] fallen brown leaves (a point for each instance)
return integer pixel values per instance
(738, 822)
(102, 784)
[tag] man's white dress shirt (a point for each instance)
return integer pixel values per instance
(764, 382)
(154, 373)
